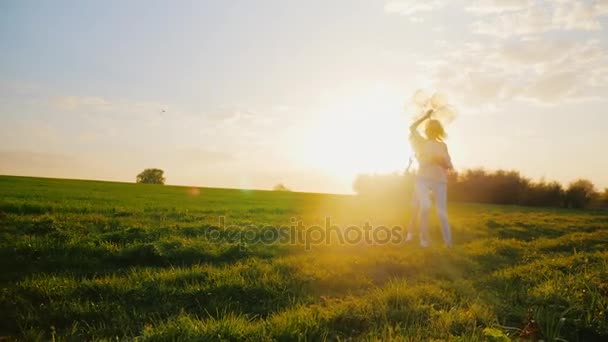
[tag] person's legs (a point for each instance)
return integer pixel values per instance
(441, 203)
(424, 207)
(411, 227)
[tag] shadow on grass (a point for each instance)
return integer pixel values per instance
(49, 256)
(522, 231)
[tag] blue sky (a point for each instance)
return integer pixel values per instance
(252, 93)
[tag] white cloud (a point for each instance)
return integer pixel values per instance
(535, 52)
(546, 71)
(497, 6)
(530, 21)
(280, 108)
(579, 15)
(552, 86)
(507, 18)
(416, 19)
(537, 17)
(411, 7)
(199, 155)
(231, 115)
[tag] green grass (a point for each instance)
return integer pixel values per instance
(83, 260)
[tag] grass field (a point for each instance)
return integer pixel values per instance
(83, 260)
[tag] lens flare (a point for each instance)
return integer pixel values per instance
(193, 192)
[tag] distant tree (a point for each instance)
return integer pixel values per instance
(360, 183)
(481, 186)
(507, 187)
(280, 187)
(151, 176)
(544, 194)
(392, 187)
(603, 199)
(580, 193)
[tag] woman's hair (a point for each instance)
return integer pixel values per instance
(434, 130)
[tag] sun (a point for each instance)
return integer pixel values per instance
(364, 131)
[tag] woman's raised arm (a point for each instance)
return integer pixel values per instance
(417, 123)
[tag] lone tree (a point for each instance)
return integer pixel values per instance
(280, 187)
(151, 176)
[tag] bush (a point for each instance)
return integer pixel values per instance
(388, 186)
(602, 199)
(497, 187)
(500, 187)
(544, 194)
(280, 187)
(580, 193)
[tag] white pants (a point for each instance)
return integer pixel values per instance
(423, 190)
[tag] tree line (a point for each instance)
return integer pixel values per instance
(496, 187)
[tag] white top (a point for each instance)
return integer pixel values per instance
(433, 158)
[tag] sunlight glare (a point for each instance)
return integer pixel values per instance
(363, 132)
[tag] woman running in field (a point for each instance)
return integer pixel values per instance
(434, 162)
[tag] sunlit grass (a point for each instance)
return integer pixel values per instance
(93, 260)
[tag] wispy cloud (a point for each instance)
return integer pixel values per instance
(509, 19)
(411, 7)
(73, 103)
(207, 155)
(546, 71)
(497, 6)
(111, 107)
(580, 15)
(231, 115)
(522, 61)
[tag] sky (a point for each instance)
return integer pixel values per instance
(249, 94)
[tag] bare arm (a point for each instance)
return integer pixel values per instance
(417, 123)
